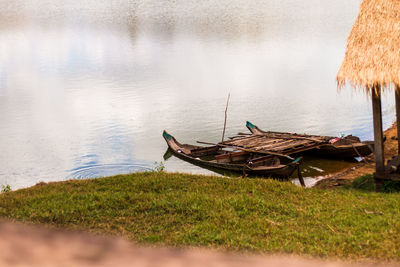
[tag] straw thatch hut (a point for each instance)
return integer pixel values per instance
(372, 64)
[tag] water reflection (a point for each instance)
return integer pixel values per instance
(86, 87)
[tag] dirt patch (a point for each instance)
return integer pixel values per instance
(26, 245)
(365, 167)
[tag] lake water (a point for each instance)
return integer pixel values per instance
(86, 87)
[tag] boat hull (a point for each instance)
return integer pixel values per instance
(351, 150)
(341, 152)
(281, 172)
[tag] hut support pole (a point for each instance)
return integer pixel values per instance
(397, 97)
(378, 137)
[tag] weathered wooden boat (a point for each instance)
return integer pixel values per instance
(344, 147)
(245, 162)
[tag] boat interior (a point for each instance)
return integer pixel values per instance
(219, 155)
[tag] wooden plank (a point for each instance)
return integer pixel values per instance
(296, 134)
(240, 142)
(269, 142)
(264, 142)
(283, 142)
(286, 146)
(378, 134)
(305, 148)
(257, 143)
(278, 148)
(299, 143)
(265, 150)
(277, 143)
(273, 145)
(294, 148)
(397, 97)
(290, 136)
(248, 150)
(240, 139)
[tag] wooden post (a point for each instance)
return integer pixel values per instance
(301, 180)
(378, 136)
(397, 97)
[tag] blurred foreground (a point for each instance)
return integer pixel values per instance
(23, 245)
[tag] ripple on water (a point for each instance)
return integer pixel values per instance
(102, 170)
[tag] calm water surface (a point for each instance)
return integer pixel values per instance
(86, 87)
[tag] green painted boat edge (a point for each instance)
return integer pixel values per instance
(167, 135)
(250, 125)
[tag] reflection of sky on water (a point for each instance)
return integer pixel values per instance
(86, 88)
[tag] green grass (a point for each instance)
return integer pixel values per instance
(366, 183)
(227, 213)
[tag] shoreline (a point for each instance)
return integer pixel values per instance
(182, 210)
(346, 176)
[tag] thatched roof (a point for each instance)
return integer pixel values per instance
(373, 47)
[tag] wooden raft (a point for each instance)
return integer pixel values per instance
(284, 144)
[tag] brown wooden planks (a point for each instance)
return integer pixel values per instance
(265, 143)
(290, 145)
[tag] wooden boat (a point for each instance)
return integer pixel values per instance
(237, 160)
(345, 147)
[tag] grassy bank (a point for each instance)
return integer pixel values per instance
(235, 214)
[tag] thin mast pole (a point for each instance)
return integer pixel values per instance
(226, 110)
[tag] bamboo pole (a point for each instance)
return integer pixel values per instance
(226, 111)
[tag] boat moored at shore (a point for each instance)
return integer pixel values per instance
(235, 160)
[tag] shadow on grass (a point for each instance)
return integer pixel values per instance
(366, 183)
